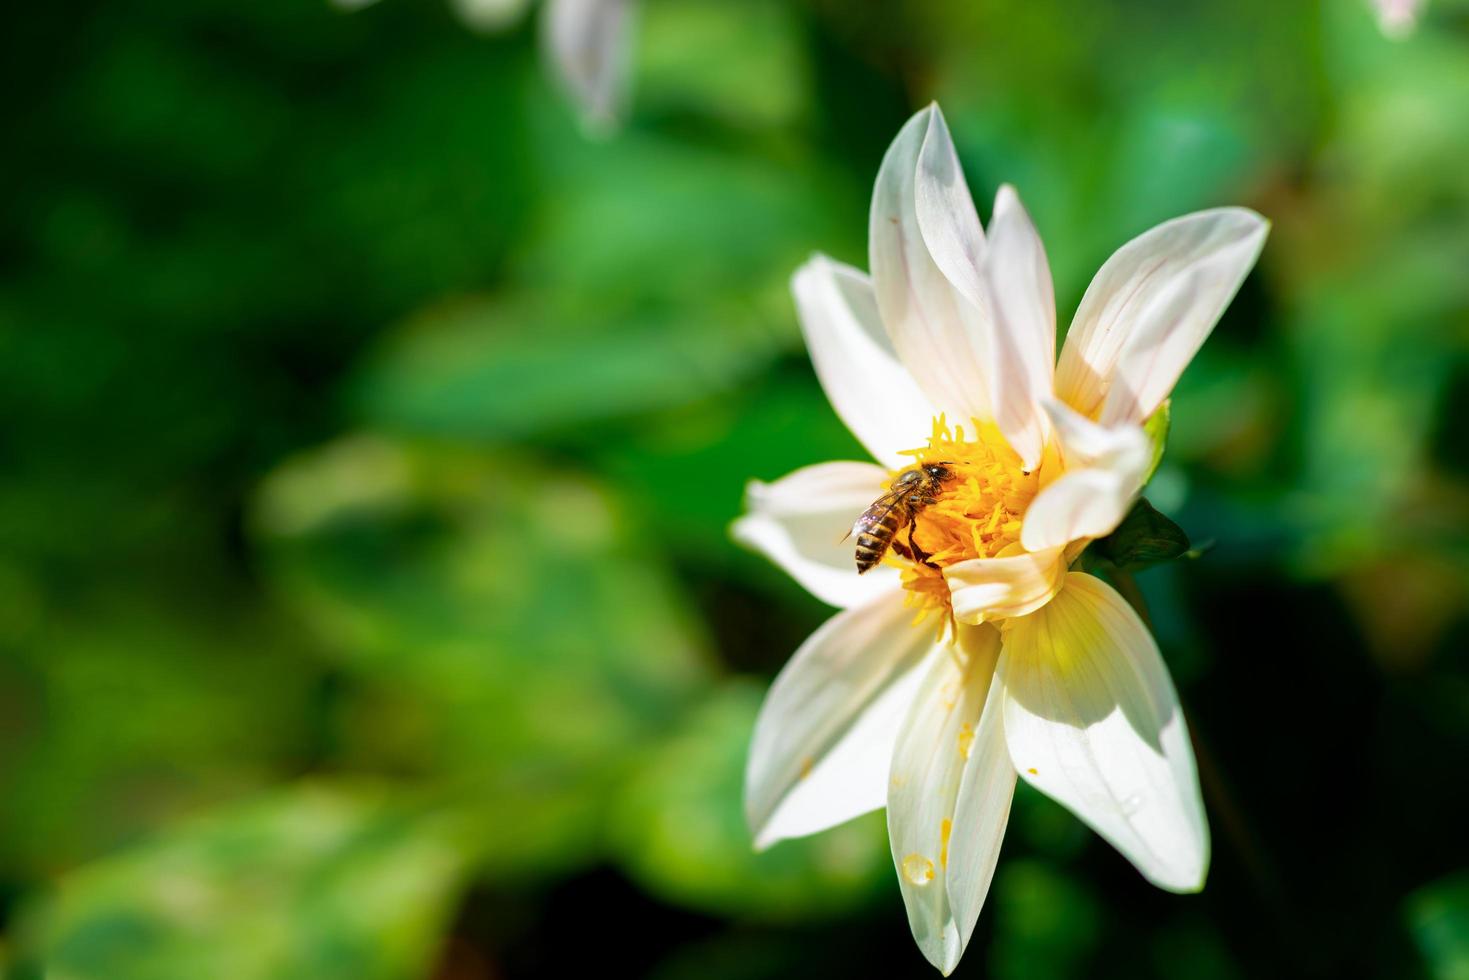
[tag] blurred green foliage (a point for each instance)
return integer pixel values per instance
(371, 435)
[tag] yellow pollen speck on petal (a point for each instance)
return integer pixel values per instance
(1032, 772)
(806, 766)
(966, 740)
(946, 827)
(917, 869)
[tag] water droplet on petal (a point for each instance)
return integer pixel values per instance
(917, 869)
(1132, 804)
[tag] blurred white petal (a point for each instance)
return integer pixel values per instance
(985, 589)
(824, 737)
(949, 795)
(1017, 279)
(854, 359)
(589, 45)
(1091, 720)
(1149, 309)
(1398, 18)
(1105, 467)
(936, 331)
(799, 522)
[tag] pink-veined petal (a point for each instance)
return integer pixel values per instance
(987, 589)
(1105, 468)
(799, 522)
(868, 387)
(1091, 720)
(1017, 280)
(1149, 309)
(825, 734)
(949, 795)
(935, 330)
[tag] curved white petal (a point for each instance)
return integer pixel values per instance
(945, 212)
(799, 522)
(868, 387)
(825, 734)
(1149, 309)
(588, 42)
(1106, 467)
(986, 589)
(1092, 720)
(935, 330)
(949, 795)
(1017, 279)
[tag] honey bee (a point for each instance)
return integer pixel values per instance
(877, 529)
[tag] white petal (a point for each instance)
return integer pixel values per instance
(799, 522)
(949, 795)
(825, 734)
(588, 43)
(945, 212)
(1017, 279)
(1398, 18)
(1150, 308)
(935, 330)
(985, 589)
(980, 815)
(854, 359)
(1105, 470)
(1092, 721)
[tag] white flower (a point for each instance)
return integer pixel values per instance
(1035, 670)
(587, 44)
(1398, 18)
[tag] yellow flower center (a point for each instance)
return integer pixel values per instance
(977, 514)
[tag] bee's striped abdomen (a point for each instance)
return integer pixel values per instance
(875, 532)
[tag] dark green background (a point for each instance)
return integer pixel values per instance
(369, 438)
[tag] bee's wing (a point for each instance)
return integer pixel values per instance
(876, 512)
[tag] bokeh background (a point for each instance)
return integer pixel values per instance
(369, 437)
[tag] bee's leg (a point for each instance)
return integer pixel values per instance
(902, 549)
(918, 553)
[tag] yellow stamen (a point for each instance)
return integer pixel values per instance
(978, 513)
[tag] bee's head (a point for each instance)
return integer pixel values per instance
(937, 471)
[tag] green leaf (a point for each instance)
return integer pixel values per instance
(680, 829)
(1145, 537)
(1047, 923)
(503, 627)
(1438, 918)
(739, 62)
(127, 708)
(317, 881)
(496, 370)
(1156, 429)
